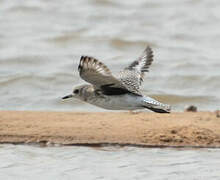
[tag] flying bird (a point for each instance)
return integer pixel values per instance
(121, 92)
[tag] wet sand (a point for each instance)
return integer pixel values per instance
(188, 129)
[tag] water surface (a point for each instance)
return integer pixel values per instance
(30, 162)
(40, 46)
(41, 43)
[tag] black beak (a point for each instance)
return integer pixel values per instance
(68, 96)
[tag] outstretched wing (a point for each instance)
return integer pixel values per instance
(142, 64)
(98, 74)
(134, 73)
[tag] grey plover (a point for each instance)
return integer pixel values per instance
(121, 92)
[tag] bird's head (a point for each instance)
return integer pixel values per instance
(78, 92)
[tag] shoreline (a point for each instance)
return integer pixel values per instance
(145, 129)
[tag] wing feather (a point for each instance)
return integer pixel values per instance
(134, 73)
(143, 63)
(98, 74)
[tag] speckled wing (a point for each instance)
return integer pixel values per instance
(133, 74)
(98, 74)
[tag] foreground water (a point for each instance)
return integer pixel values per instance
(41, 43)
(31, 162)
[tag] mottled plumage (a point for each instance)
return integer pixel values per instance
(116, 93)
(136, 69)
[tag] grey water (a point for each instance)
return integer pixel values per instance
(40, 46)
(41, 43)
(31, 162)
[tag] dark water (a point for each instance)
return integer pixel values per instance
(41, 43)
(29, 162)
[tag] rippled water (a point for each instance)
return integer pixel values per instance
(40, 46)
(41, 42)
(28, 162)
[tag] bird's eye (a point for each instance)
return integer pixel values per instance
(76, 91)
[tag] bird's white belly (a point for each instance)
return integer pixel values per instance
(119, 102)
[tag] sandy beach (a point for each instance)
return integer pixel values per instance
(188, 129)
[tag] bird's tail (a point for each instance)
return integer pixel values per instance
(155, 105)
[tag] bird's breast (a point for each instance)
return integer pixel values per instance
(119, 102)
